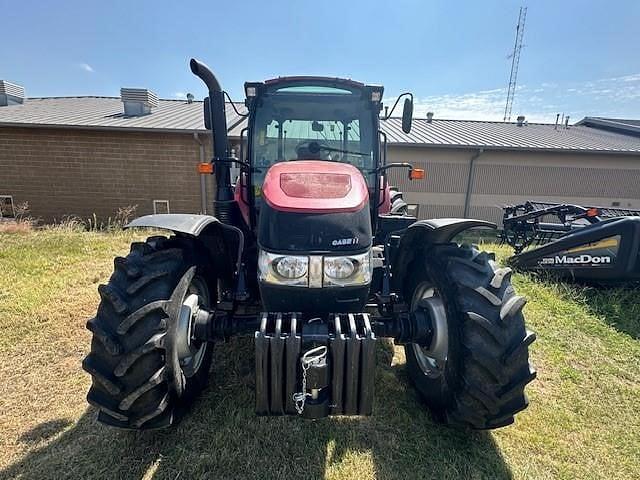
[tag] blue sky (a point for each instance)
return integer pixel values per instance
(580, 58)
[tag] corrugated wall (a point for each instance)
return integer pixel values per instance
(503, 178)
(546, 180)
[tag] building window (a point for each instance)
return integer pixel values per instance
(161, 206)
(7, 210)
(413, 209)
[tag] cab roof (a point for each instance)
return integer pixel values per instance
(310, 80)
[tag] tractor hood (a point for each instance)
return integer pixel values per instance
(314, 206)
(315, 186)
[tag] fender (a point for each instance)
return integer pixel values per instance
(420, 235)
(202, 227)
(441, 230)
(192, 225)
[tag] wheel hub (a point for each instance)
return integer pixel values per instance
(190, 352)
(432, 358)
(188, 310)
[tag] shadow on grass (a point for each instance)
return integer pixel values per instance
(222, 438)
(44, 431)
(616, 305)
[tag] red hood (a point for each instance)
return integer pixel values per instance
(314, 186)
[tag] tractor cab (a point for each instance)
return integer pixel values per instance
(315, 119)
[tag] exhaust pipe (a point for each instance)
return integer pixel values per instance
(205, 74)
(223, 203)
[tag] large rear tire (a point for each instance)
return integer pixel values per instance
(145, 370)
(398, 205)
(474, 372)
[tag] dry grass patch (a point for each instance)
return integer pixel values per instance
(11, 226)
(582, 422)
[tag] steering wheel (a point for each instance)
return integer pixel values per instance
(311, 149)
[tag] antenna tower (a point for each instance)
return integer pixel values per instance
(515, 61)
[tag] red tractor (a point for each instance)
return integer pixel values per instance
(312, 254)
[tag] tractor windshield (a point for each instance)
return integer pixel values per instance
(313, 123)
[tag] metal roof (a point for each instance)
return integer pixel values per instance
(181, 116)
(627, 126)
(509, 136)
(108, 113)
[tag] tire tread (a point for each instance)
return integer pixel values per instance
(493, 369)
(128, 361)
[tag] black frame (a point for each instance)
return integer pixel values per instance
(522, 226)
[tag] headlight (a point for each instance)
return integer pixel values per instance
(338, 268)
(283, 269)
(291, 267)
(348, 270)
(315, 271)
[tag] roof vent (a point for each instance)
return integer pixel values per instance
(10, 94)
(429, 117)
(138, 101)
(520, 120)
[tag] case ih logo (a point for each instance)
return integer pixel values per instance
(344, 241)
(584, 259)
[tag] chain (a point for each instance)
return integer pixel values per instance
(315, 356)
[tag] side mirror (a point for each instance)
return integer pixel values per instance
(407, 115)
(207, 113)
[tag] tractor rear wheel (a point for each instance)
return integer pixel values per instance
(474, 372)
(398, 205)
(145, 369)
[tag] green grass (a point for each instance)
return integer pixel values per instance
(583, 421)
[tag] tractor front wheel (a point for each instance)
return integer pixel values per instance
(474, 371)
(145, 368)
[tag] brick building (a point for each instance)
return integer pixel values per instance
(86, 155)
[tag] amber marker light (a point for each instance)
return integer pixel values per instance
(416, 174)
(205, 168)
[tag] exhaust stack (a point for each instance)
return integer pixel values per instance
(215, 117)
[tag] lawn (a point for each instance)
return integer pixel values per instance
(583, 421)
